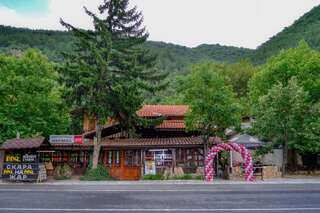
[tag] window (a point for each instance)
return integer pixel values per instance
(132, 158)
(110, 158)
(117, 158)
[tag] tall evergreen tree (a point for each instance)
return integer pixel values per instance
(109, 70)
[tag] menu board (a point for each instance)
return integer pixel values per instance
(18, 167)
(20, 171)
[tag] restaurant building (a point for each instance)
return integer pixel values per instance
(167, 145)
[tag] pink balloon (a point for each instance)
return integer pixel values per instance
(246, 156)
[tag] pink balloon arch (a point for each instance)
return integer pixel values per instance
(246, 156)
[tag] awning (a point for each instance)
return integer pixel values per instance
(247, 140)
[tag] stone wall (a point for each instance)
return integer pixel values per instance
(268, 172)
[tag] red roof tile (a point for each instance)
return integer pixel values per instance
(162, 110)
(27, 143)
(147, 142)
(172, 124)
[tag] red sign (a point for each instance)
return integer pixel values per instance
(78, 139)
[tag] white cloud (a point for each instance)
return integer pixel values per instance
(245, 23)
(70, 10)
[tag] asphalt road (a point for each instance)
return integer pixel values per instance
(161, 198)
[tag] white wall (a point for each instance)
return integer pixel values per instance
(274, 158)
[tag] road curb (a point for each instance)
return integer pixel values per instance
(172, 182)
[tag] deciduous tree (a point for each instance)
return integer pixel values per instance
(301, 62)
(213, 106)
(279, 115)
(30, 97)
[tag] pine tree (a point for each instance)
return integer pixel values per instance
(109, 70)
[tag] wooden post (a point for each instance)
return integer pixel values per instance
(231, 166)
(1, 160)
(173, 159)
(142, 152)
(105, 157)
(85, 158)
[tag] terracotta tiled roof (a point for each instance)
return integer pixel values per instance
(147, 142)
(156, 142)
(150, 142)
(162, 110)
(172, 124)
(27, 143)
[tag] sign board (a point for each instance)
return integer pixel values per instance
(66, 139)
(14, 158)
(21, 167)
(42, 174)
(149, 167)
(20, 171)
(78, 139)
(29, 158)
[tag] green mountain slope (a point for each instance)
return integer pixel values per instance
(305, 28)
(173, 58)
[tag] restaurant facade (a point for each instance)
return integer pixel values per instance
(165, 146)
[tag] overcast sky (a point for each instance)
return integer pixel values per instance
(242, 23)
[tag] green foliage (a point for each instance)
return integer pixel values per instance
(51, 43)
(63, 172)
(263, 150)
(309, 134)
(98, 174)
(171, 58)
(213, 106)
(30, 97)
(301, 62)
(199, 177)
(109, 71)
(305, 28)
(237, 75)
(152, 177)
(284, 95)
(279, 113)
(183, 177)
(176, 59)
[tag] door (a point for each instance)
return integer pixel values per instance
(124, 165)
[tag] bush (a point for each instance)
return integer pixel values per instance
(199, 177)
(152, 177)
(183, 177)
(63, 172)
(98, 174)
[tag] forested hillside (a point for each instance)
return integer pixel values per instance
(305, 28)
(51, 43)
(171, 57)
